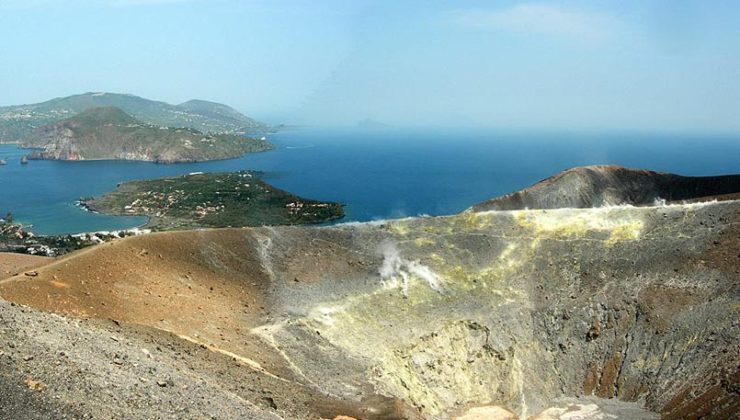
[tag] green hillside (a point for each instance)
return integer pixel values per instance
(110, 133)
(212, 200)
(17, 123)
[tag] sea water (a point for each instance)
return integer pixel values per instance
(377, 174)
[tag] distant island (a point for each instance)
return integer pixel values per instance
(19, 122)
(232, 199)
(110, 133)
(369, 123)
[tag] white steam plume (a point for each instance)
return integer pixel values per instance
(398, 271)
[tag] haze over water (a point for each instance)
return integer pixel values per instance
(378, 174)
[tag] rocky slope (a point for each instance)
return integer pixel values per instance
(594, 186)
(19, 122)
(524, 312)
(110, 133)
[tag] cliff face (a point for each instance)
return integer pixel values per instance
(595, 186)
(109, 133)
(428, 317)
(58, 141)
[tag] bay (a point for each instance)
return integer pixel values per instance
(378, 174)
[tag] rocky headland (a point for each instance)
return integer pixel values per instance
(108, 133)
(19, 123)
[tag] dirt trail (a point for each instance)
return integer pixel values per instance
(12, 264)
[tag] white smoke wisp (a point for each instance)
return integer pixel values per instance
(396, 271)
(264, 246)
(391, 259)
(426, 274)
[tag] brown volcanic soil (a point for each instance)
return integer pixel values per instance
(189, 283)
(12, 264)
(185, 282)
(132, 281)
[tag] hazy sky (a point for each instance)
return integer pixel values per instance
(646, 65)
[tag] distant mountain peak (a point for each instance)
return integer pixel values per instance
(371, 123)
(18, 123)
(108, 132)
(103, 115)
(201, 102)
(211, 109)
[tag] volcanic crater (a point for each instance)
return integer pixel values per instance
(627, 310)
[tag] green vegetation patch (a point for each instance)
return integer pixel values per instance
(15, 238)
(18, 124)
(110, 133)
(214, 200)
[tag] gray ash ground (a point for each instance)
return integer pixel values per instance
(56, 367)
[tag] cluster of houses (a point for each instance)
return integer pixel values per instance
(152, 201)
(296, 206)
(204, 210)
(29, 114)
(158, 203)
(8, 229)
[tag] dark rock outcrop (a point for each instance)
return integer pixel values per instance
(595, 186)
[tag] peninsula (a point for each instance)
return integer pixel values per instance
(232, 199)
(108, 133)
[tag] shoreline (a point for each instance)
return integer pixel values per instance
(176, 203)
(19, 145)
(156, 162)
(85, 206)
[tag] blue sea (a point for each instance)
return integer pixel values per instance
(378, 174)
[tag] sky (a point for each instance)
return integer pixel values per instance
(591, 65)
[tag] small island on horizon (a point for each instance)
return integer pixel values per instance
(371, 124)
